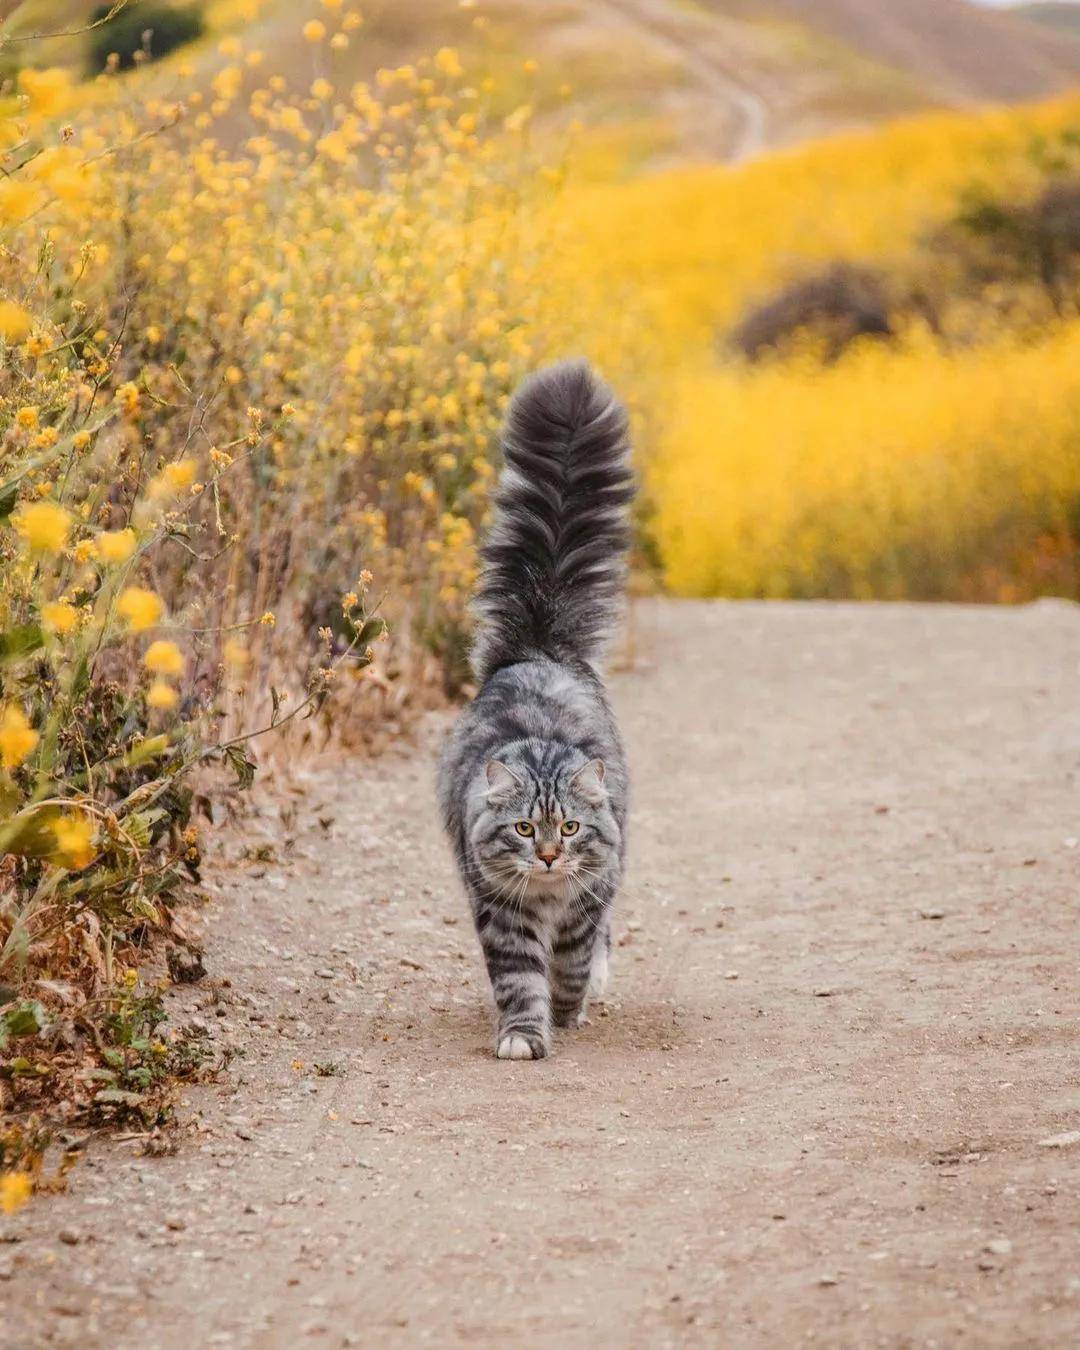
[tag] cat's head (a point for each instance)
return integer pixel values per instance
(541, 827)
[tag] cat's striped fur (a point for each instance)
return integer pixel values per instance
(533, 781)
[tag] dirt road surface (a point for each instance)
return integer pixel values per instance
(841, 1030)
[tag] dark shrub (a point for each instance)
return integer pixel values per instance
(1038, 242)
(148, 26)
(838, 305)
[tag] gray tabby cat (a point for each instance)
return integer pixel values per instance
(533, 780)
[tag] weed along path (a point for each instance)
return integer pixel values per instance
(833, 1096)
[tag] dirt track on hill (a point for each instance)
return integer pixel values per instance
(841, 1027)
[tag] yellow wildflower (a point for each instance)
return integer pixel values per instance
(161, 695)
(164, 658)
(235, 653)
(15, 1190)
(59, 616)
(349, 601)
(48, 91)
(268, 619)
(74, 833)
(44, 525)
(116, 546)
(15, 322)
(177, 476)
(128, 397)
(27, 418)
(314, 30)
(17, 737)
(140, 607)
(81, 440)
(448, 62)
(19, 197)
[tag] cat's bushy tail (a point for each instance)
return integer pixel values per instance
(554, 562)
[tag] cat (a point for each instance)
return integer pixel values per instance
(533, 779)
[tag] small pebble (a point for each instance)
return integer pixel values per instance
(1061, 1140)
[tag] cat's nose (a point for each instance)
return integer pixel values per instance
(547, 855)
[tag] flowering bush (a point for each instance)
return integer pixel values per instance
(255, 343)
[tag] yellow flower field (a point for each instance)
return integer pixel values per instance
(906, 471)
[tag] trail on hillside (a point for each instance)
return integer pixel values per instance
(695, 40)
(833, 1095)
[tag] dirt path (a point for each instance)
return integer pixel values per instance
(696, 39)
(843, 1019)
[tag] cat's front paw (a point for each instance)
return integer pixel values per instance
(521, 1045)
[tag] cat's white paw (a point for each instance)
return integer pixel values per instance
(515, 1047)
(598, 973)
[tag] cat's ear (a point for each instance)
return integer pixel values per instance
(500, 778)
(589, 781)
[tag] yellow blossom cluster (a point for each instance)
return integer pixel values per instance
(910, 468)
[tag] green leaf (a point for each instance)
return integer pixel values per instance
(241, 764)
(30, 834)
(371, 629)
(21, 1067)
(19, 642)
(137, 827)
(275, 700)
(25, 1019)
(117, 1097)
(8, 497)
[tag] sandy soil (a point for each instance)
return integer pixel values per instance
(842, 1027)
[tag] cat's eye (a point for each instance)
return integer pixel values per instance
(525, 828)
(570, 827)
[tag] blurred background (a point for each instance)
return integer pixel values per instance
(828, 248)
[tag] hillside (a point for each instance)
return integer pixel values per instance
(657, 81)
(957, 50)
(1054, 13)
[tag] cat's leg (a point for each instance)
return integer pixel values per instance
(579, 958)
(516, 952)
(601, 963)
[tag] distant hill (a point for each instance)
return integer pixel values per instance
(961, 50)
(1059, 15)
(657, 82)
